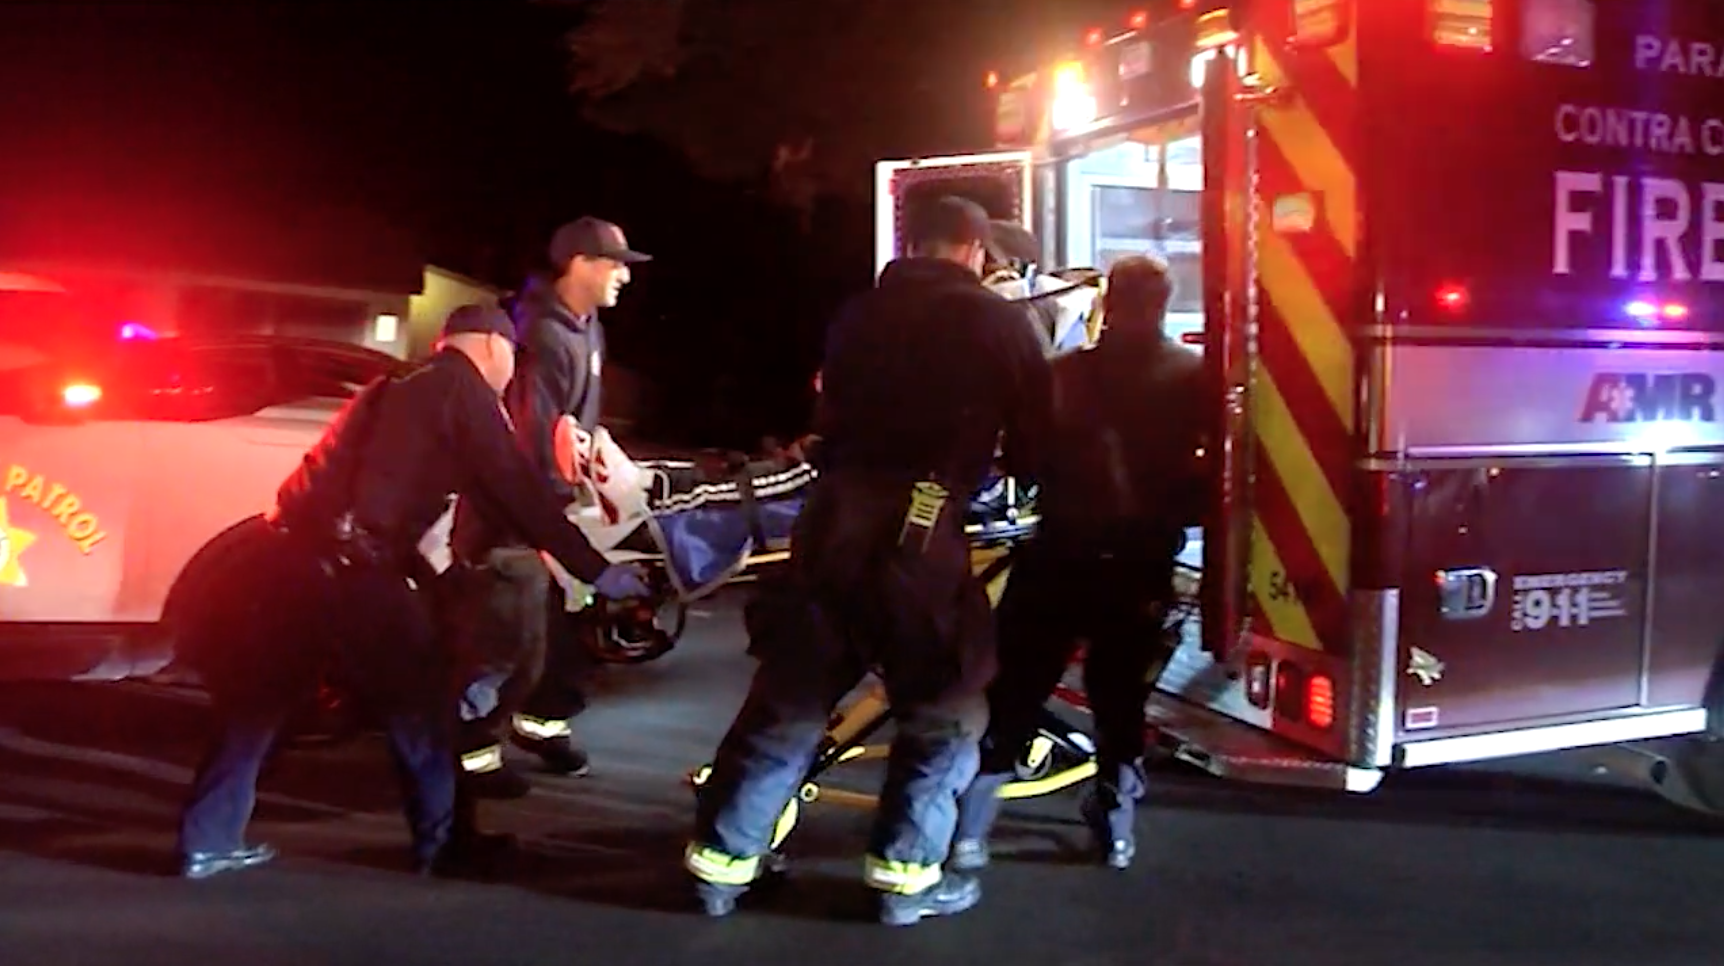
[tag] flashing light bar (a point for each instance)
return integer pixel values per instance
(1648, 312)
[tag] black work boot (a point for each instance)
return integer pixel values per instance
(951, 895)
(560, 755)
(202, 865)
(978, 809)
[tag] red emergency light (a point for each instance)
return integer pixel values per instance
(1095, 36)
(1139, 20)
(1453, 297)
(1187, 4)
(991, 79)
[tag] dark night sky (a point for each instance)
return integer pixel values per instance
(443, 130)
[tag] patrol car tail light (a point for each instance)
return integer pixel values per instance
(80, 394)
(1465, 24)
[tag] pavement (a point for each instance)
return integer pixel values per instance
(1466, 867)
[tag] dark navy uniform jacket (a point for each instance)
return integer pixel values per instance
(399, 451)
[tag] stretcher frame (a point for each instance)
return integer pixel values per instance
(867, 712)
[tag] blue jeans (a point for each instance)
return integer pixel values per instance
(378, 635)
(918, 619)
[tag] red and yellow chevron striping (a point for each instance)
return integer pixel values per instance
(1303, 393)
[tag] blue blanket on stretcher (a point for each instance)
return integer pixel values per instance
(707, 531)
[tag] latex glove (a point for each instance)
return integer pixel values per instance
(622, 582)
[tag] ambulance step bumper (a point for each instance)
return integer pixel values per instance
(1232, 749)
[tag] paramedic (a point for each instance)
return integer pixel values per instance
(1121, 483)
(341, 565)
(879, 575)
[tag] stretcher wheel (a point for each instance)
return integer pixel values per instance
(1037, 759)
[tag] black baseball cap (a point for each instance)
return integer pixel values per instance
(481, 319)
(1013, 242)
(952, 220)
(593, 238)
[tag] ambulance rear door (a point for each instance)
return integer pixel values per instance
(1547, 216)
(999, 181)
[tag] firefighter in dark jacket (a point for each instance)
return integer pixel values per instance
(559, 373)
(923, 376)
(339, 580)
(1122, 480)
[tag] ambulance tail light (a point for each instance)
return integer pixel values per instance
(78, 395)
(1320, 702)
(1463, 24)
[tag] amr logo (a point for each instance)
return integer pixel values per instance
(1641, 397)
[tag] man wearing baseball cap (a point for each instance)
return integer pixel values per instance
(559, 368)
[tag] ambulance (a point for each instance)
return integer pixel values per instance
(1456, 269)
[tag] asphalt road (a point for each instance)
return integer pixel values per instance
(1456, 869)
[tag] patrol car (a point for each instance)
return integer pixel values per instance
(1461, 290)
(134, 469)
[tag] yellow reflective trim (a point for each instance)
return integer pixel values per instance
(483, 760)
(902, 878)
(542, 727)
(786, 822)
(711, 865)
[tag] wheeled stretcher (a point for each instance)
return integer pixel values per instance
(697, 531)
(1060, 754)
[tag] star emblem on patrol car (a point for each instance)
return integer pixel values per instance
(13, 543)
